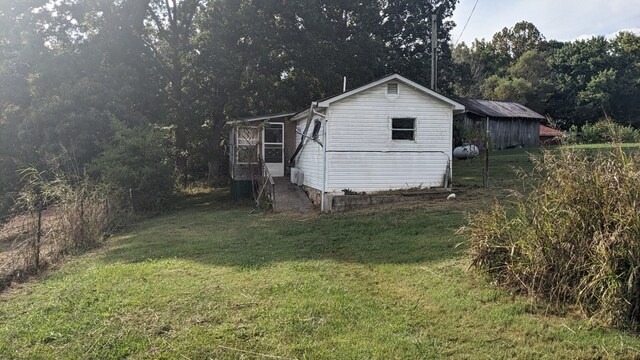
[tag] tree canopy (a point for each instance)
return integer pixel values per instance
(80, 80)
(574, 83)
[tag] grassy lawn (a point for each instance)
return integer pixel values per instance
(209, 280)
(501, 168)
(503, 163)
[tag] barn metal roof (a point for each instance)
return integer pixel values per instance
(499, 109)
(547, 131)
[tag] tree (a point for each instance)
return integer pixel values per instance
(526, 82)
(595, 78)
(472, 65)
(511, 43)
(170, 37)
(406, 29)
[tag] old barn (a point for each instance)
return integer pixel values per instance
(509, 124)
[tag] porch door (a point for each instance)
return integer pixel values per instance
(273, 148)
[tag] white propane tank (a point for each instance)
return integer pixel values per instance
(466, 152)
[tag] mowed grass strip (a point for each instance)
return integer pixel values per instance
(212, 281)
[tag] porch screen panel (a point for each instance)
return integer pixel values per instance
(247, 145)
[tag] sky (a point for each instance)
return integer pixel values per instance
(563, 20)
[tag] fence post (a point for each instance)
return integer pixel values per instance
(82, 239)
(38, 238)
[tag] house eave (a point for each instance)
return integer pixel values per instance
(259, 118)
(397, 77)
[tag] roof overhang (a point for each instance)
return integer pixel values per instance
(260, 118)
(395, 77)
(300, 115)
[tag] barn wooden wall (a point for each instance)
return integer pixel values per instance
(507, 132)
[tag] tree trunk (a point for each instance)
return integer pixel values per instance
(216, 156)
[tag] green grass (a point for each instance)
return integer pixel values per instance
(209, 280)
(603, 146)
(503, 163)
(501, 168)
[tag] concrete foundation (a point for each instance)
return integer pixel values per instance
(341, 203)
(314, 195)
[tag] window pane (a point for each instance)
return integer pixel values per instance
(273, 134)
(247, 154)
(273, 154)
(247, 136)
(403, 123)
(402, 135)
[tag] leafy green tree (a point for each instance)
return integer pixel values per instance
(406, 29)
(137, 162)
(526, 82)
(472, 65)
(596, 78)
(511, 43)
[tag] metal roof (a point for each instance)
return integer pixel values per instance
(547, 131)
(499, 109)
(261, 118)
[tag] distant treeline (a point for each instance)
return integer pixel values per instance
(574, 83)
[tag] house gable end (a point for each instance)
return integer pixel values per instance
(393, 79)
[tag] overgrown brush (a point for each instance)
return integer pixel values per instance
(56, 215)
(605, 130)
(574, 239)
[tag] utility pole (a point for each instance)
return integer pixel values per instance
(434, 52)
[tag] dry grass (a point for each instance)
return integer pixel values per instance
(574, 239)
(72, 225)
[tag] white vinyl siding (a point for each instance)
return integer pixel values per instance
(311, 158)
(362, 155)
(372, 172)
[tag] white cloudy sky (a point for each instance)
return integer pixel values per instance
(557, 19)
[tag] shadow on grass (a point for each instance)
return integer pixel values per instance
(209, 229)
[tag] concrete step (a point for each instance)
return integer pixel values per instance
(290, 197)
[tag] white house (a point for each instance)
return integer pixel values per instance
(389, 134)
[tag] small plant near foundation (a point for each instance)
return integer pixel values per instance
(351, 192)
(574, 240)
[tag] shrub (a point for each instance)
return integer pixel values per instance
(606, 131)
(573, 240)
(573, 135)
(137, 163)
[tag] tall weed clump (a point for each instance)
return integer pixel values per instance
(55, 214)
(574, 240)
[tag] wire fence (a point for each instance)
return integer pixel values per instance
(31, 241)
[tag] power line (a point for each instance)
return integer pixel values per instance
(467, 23)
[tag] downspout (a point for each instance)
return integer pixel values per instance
(323, 204)
(304, 136)
(324, 151)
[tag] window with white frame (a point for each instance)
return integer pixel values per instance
(247, 145)
(403, 128)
